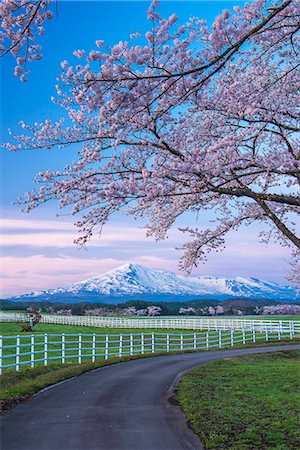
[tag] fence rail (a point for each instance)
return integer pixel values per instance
(42, 349)
(168, 322)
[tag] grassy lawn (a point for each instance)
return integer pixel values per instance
(54, 345)
(138, 344)
(247, 402)
(294, 317)
(13, 329)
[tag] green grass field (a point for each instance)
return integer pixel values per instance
(88, 344)
(247, 402)
(13, 329)
(273, 317)
(15, 386)
(140, 342)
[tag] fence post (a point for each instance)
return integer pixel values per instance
(142, 344)
(254, 336)
(121, 345)
(94, 348)
(79, 348)
(63, 348)
(207, 340)
(1, 343)
(168, 342)
(181, 342)
(32, 351)
(195, 341)
(279, 335)
(106, 346)
(267, 337)
(244, 337)
(18, 354)
(291, 331)
(46, 350)
(131, 344)
(153, 343)
(220, 338)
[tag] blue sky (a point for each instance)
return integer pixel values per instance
(38, 249)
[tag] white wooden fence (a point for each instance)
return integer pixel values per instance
(169, 322)
(32, 350)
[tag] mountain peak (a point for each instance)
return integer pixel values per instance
(135, 282)
(130, 266)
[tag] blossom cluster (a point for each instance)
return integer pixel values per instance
(22, 22)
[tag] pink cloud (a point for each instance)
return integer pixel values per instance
(40, 272)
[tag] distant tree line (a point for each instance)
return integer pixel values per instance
(236, 307)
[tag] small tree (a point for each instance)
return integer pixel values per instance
(153, 310)
(189, 311)
(141, 312)
(130, 311)
(220, 309)
(211, 311)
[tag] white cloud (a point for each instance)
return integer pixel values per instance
(43, 234)
(28, 224)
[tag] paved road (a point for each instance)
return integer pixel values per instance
(122, 406)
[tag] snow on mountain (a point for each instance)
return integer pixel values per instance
(134, 282)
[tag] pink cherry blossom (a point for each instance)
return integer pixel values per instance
(184, 119)
(21, 25)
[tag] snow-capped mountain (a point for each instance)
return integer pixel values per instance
(135, 282)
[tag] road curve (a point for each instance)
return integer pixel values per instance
(122, 406)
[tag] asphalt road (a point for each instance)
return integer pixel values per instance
(122, 406)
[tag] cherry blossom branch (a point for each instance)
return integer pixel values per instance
(186, 119)
(21, 22)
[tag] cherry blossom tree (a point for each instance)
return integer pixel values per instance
(141, 312)
(189, 311)
(64, 312)
(184, 119)
(130, 311)
(280, 309)
(153, 310)
(22, 22)
(211, 311)
(220, 309)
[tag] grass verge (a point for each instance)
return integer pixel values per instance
(247, 402)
